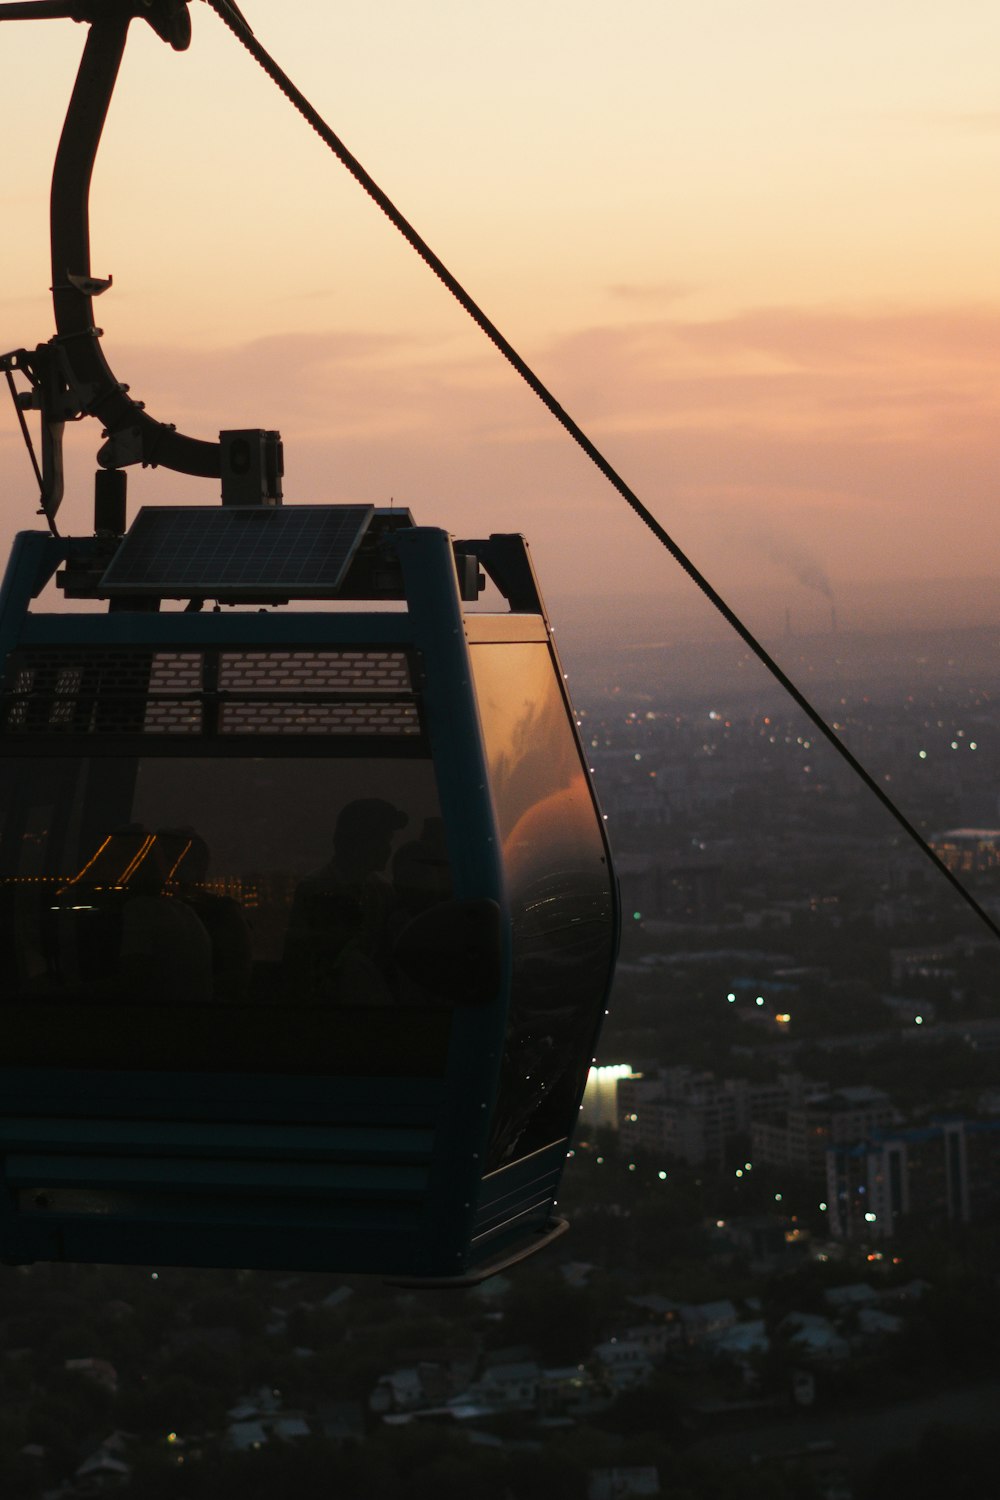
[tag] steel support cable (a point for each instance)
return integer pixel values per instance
(26, 434)
(24, 428)
(242, 31)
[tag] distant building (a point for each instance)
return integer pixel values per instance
(693, 891)
(867, 1187)
(683, 1113)
(948, 1171)
(968, 850)
(770, 1242)
(622, 1363)
(688, 892)
(621, 1484)
(802, 1137)
(600, 1097)
(510, 1387)
(100, 1472)
(929, 962)
(97, 1370)
(910, 1012)
(707, 1320)
(814, 1338)
(571, 1391)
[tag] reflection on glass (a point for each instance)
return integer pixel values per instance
(559, 889)
(217, 879)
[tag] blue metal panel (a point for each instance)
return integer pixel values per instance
(33, 559)
(246, 1097)
(463, 785)
(217, 1174)
(260, 628)
(153, 1179)
(141, 1138)
(381, 1245)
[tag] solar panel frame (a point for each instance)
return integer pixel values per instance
(237, 552)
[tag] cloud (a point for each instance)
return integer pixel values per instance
(887, 378)
(862, 443)
(652, 291)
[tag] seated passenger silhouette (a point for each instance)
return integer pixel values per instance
(338, 933)
(187, 860)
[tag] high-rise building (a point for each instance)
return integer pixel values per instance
(946, 1172)
(691, 1115)
(801, 1137)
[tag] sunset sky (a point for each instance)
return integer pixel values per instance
(754, 250)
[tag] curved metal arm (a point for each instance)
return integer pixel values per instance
(42, 10)
(133, 436)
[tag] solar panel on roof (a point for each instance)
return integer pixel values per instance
(287, 552)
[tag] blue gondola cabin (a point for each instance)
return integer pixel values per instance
(307, 917)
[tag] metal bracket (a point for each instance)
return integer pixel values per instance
(52, 396)
(170, 19)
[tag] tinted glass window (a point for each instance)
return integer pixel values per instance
(560, 893)
(190, 880)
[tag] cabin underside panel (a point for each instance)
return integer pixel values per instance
(351, 1192)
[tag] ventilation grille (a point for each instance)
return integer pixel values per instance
(318, 718)
(289, 672)
(114, 692)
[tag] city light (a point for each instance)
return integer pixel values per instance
(600, 1099)
(609, 1072)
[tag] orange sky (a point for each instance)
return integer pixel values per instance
(753, 250)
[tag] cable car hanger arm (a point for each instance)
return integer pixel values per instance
(69, 374)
